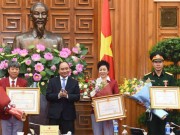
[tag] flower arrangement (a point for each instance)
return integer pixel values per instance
(39, 64)
(99, 85)
(131, 86)
(86, 86)
(89, 87)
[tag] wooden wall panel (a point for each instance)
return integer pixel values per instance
(132, 32)
(134, 26)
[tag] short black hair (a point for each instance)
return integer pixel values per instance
(103, 63)
(36, 4)
(13, 64)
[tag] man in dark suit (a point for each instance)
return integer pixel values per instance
(11, 125)
(62, 92)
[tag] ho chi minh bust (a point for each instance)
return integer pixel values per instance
(38, 35)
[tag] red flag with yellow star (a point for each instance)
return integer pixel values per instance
(106, 38)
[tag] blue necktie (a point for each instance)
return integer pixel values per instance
(63, 83)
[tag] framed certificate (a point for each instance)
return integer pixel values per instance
(25, 98)
(165, 97)
(109, 107)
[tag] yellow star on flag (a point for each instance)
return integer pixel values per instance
(105, 46)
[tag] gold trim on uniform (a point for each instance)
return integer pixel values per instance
(148, 73)
(169, 73)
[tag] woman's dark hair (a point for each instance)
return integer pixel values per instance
(13, 64)
(103, 63)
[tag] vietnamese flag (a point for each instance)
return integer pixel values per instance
(106, 38)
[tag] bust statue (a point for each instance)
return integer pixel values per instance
(38, 35)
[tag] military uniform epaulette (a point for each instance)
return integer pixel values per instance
(169, 73)
(147, 73)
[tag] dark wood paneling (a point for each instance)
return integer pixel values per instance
(135, 30)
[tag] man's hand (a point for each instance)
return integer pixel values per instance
(63, 93)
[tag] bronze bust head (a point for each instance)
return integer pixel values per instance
(39, 34)
(39, 17)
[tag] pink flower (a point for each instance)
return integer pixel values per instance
(4, 64)
(79, 67)
(14, 59)
(53, 68)
(29, 69)
(66, 50)
(70, 64)
(16, 51)
(70, 72)
(1, 66)
(39, 67)
(28, 62)
(23, 52)
(1, 50)
(48, 56)
(63, 54)
(40, 47)
(75, 50)
(75, 59)
(35, 57)
(37, 77)
(82, 57)
(75, 72)
(26, 75)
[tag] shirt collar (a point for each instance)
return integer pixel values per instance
(63, 78)
(100, 79)
(34, 33)
(10, 80)
(162, 73)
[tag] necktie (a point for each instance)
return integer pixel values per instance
(13, 84)
(63, 83)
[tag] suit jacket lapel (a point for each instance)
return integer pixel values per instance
(68, 84)
(18, 83)
(7, 83)
(58, 82)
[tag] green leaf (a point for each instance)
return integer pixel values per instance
(3, 73)
(84, 52)
(31, 47)
(23, 68)
(56, 60)
(43, 61)
(56, 51)
(49, 72)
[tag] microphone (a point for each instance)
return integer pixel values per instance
(171, 123)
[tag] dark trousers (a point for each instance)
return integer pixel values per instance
(156, 126)
(64, 125)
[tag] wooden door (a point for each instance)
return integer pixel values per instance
(167, 20)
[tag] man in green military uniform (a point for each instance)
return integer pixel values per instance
(158, 77)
